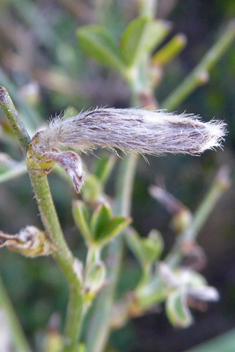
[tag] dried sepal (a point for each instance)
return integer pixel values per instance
(30, 242)
(41, 159)
(71, 163)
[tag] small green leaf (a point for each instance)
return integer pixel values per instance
(141, 37)
(134, 243)
(97, 42)
(147, 250)
(104, 166)
(70, 111)
(132, 37)
(170, 50)
(80, 215)
(112, 229)
(92, 189)
(157, 32)
(100, 219)
(177, 310)
(153, 246)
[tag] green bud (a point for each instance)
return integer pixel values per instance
(94, 280)
(92, 189)
(182, 220)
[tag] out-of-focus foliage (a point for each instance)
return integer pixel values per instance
(42, 65)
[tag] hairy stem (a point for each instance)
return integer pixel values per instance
(199, 75)
(30, 116)
(63, 258)
(62, 255)
(12, 115)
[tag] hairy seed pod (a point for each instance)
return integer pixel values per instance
(135, 130)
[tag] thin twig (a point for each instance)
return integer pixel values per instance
(199, 75)
(219, 186)
(151, 295)
(13, 117)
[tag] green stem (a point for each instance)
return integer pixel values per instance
(17, 335)
(199, 75)
(62, 255)
(148, 7)
(99, 328)
(10, 111)
(219, 186)
(30, 116)
(170, 50)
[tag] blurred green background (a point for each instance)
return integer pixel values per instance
(45, 72)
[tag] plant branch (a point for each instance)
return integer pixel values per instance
(199, 75)
(99, 328)
(62, 255)
(219, 186)
(154, 291)
(12, 115)
(33, 119)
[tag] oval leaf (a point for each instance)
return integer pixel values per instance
(141, 37)
(98, 44)
(147, 250)
(131, 41)
(113, 228)
(100, 219)
(80, 216)
(134, 243)
(152, 247)
(104, 166)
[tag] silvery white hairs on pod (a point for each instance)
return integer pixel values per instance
(136, 130)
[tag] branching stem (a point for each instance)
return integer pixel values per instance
(63, 255)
